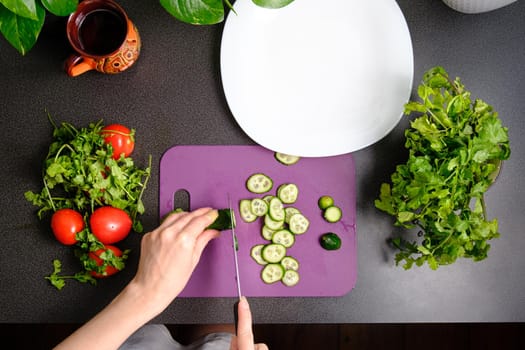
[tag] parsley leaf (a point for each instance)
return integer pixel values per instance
(59, 281)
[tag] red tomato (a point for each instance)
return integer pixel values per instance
(109, 270)
(110, 224)
(120, 138)
(66, 223)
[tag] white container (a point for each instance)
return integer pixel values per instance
(477, 6)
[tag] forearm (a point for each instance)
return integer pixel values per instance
(112, 326)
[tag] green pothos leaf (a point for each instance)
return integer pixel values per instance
(21, 32)
(209, 11)
(60, 7)
(272, 4)
(22, 8)
(195, 11)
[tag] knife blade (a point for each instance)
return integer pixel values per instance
(235, 243)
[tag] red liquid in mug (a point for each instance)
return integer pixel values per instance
(102, 32)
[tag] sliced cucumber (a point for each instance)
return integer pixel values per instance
(286, 159)
(332, 214)
(273, 224)
(268, 198)
(273, 252)
(284, 237)
(259, 207)
(267, 233)
(245, 210)
(290, 263)
(298, 224)
(276, 209)
(288, 193)
(288, 212)
(290, 278)
(259, 183)
(272, 273)
(281, 226)
(256, 254)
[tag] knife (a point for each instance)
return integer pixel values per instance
(236, 261)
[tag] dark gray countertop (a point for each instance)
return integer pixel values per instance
(173, 95)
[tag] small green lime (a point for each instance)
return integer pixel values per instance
(325, 202)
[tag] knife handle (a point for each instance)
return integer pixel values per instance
(236, 314)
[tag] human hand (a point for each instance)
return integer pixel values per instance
(170, 253)
(244, 338)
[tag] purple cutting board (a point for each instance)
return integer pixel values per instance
(210, 173)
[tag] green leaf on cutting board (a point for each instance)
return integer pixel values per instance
(21, 32)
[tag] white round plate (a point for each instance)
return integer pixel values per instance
(317, 78)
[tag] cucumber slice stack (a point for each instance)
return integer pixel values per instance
(282, 225)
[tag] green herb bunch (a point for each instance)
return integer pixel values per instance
(455, 146)
(80, 173)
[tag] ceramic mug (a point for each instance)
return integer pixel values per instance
(103, 37)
